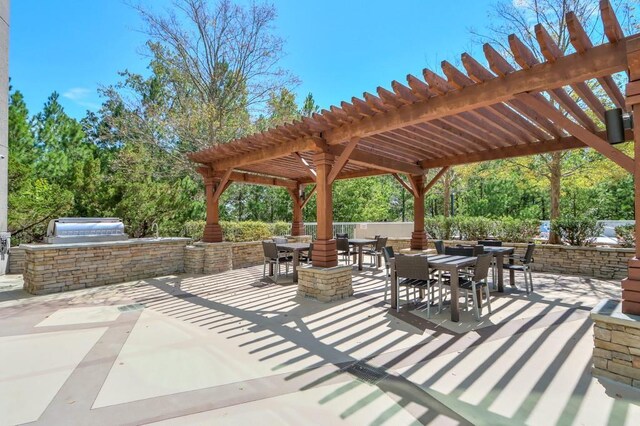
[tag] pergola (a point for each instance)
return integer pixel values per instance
(481, 113)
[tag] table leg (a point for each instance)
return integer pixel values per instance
(360, 256)
(499, 268)
(455, 313)
(394, 286)
(296, 261)
(512, 273)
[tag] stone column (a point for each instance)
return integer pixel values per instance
(297, 225)
(324, 248)
(4, 142)
(418, 236)
(212, 230)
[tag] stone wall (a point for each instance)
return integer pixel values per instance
(212, 258)
(616, 336)
(325, 284)
(16, 261)
(53, 268)
(597, 262)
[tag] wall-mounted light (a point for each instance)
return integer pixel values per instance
(617, 122)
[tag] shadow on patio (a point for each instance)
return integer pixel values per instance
(533, 366)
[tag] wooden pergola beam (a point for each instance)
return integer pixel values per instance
(342, 160)
(601, 60)
(308, 197)
(404, 184)
(586, 136)
(222, 185)
(305, 165)
(263, 154)
(380, 162)
(436, 178)
(249, 178)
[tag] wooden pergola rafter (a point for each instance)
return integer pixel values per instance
(488, 110)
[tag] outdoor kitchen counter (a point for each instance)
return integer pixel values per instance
(130, 241)
(54, 268)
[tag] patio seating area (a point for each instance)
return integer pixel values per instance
(191, 349)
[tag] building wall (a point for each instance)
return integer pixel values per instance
(4, 144)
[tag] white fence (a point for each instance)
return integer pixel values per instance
(404, 229)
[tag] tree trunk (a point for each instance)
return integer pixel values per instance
(446, 191)
(555, 176)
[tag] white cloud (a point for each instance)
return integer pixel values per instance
(81, 96)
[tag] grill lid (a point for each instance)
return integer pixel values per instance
(85, 229)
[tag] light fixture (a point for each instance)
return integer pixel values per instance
(617, 122)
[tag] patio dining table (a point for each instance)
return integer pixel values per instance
(360, 243)
(498, 253)
(295, 248)
(440, 262)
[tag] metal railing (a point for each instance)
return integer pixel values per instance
(349, 228)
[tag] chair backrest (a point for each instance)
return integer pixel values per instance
(270, 249)
(388, 254)
(413, 267)
(528, 255)
(481, 270)
(342, 244)
(490, 243)
(280, 240)
(439, 246)
(459, 251)
(381, 242)
(342, 235)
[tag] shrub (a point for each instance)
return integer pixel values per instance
(516, 230)
(280, 228)
(473, 228)
(194, 229)
(626, 235)
(239, 231)
(438, 227)
(579, 231)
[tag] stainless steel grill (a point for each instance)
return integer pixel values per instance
(85, 230)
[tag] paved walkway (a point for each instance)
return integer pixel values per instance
(233, 349)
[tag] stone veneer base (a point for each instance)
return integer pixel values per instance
(616, 352)
(53, 268)
(325, 284)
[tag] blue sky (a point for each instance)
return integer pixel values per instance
(338, 49)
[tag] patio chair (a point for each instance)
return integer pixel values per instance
(305, 256)
(525, 265)
(439, 246)
(273, 256)
(413, 271)
(469, 251)
(478, 280)
(490, 243)
(280, 240)
(344, 249)
(342, 235)
(376, 251)
(388, 254)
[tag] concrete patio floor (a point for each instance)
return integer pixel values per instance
(233, 348)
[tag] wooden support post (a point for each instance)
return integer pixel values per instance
(324, 248)
(297, 225)
(418, 236)
(631, 285)
(212, 229)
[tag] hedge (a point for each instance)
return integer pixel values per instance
(240, 231)
(477, 228)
